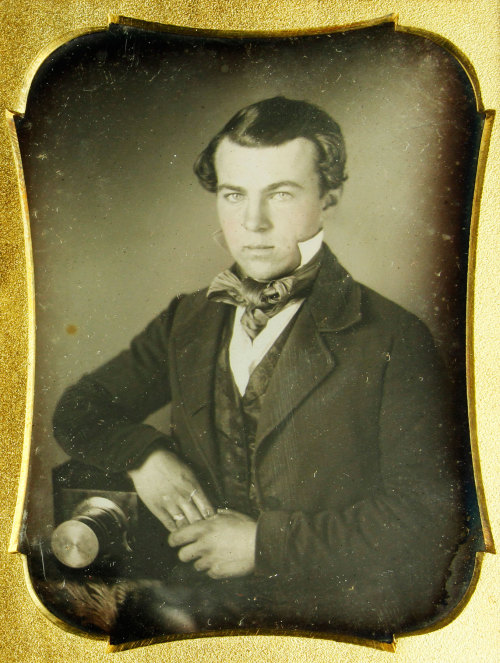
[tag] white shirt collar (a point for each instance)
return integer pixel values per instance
(310, 248)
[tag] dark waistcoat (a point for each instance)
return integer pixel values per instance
(236, 418)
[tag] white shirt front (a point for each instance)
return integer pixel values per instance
(245, 354)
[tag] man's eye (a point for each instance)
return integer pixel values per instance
(233, 197)
(281, 196)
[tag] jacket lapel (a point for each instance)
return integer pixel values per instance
(306, 360)
(196, 344)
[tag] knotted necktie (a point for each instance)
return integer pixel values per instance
(262, 300)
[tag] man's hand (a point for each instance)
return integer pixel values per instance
(223, 546)
(170, 490)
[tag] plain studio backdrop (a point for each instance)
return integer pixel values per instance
(120, 224)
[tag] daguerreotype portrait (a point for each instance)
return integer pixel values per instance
(250, 263)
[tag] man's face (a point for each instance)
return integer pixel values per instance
(268, 200)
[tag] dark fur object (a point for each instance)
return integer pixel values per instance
(123, 609)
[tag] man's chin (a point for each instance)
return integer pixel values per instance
(265, 277)
(265, 272)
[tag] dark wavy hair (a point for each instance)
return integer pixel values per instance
(274, 122)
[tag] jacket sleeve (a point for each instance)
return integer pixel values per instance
(385, 557)
(99, 420)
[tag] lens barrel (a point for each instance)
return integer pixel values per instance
(97, 526)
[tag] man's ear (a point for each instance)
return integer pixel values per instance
(331, 198)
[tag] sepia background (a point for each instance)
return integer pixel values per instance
(119, 224)
(471, 634)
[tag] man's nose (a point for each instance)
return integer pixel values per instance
(256, 217)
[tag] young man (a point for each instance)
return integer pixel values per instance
(310, 478)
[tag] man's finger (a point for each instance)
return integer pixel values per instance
(186, 535)
(164, 517)
(202, 504)
(174, 511)
(215, 572)
(202, 564)
(167, 522)
(190, 511)
(190, 552)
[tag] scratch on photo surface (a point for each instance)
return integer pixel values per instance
(43, 561)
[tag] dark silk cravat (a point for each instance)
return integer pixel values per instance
(262, 300)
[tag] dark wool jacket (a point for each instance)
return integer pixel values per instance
(355, 463)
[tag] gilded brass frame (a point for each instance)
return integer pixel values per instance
(32, 30)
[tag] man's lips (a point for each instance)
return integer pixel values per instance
(258, 247)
